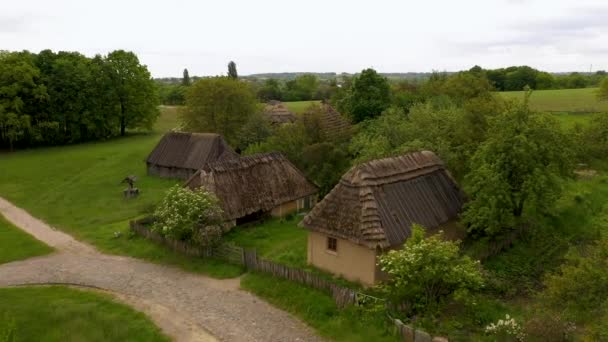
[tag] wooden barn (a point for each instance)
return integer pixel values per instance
(180, 155)
(278, 113)
(372, 210)
(253, 186)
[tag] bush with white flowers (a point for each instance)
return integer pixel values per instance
(428, 271)
(506, 330)
(187, 215)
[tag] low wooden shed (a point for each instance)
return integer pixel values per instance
(180, 155)
(253, 186)
(373, 208)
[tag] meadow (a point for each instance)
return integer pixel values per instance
(77, 189)
(299, 107)
(18, 245)
(575, 101)
(70, 315)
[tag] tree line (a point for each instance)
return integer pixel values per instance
(54, 98)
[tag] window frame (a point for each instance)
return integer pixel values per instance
(331, 244)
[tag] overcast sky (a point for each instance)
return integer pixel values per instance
(318, 35)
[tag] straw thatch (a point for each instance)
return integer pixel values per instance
(376, 203)
(251, 184)
(334, 124)
(180, 155)
(278, 113)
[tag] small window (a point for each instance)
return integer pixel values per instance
(332, 244)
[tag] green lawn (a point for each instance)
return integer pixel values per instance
(17, 245)
(62, 314)
(299, 106)
(319, 310)
(281, 241)
(562, 100)
(79, 193)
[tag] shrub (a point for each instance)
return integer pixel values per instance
(186, 215)
(545, 326)
(580, 287)
(506, 330)
(426, 271)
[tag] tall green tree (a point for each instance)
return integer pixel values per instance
(368, 97)
(516, 173)
(221, 105)
(186, 79)
(232, 70)
(135, 91)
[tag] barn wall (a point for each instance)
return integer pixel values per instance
(293, 206)
(169, 172)
(351, 261)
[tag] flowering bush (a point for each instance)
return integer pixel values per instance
(427, 271)
(189, 216)
(506, 330)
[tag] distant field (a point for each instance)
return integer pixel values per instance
(299, 106)
(562, 100)
(17, 245)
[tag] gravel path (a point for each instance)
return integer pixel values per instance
(186, 306)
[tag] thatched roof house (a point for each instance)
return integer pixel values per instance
(373, 208)
(180, 155)
(255, 185)
(278, 113)
(333, 123)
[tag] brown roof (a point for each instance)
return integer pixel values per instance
(278, 113)
(190, 150)
(334, 123)
(249, 184)
(376, 203)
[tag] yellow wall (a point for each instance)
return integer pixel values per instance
(351, 261)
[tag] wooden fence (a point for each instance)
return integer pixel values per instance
(343, 296)
(227, 252)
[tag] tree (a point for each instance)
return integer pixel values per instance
(232, 70)
(516, 171)
(134, 90)
(368, 97)
(427, 271)
(271, 90)
(186, 78)
(602, 92)
(219, 104)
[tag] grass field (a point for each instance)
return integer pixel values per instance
(76, 189)
(49, 314)
(17, 245)
(562, 100)
(319, 310)
(299, 106)
(281, 241)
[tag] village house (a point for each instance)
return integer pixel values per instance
(254, 186)
(277, 113)
(372, 210)
(180, 155)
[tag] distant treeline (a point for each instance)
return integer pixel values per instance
(318, 86)
(65, 97)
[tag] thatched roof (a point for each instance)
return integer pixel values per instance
(376, 203)
(333, 123)
(190, 150)
(278, 113)
(249, 184)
